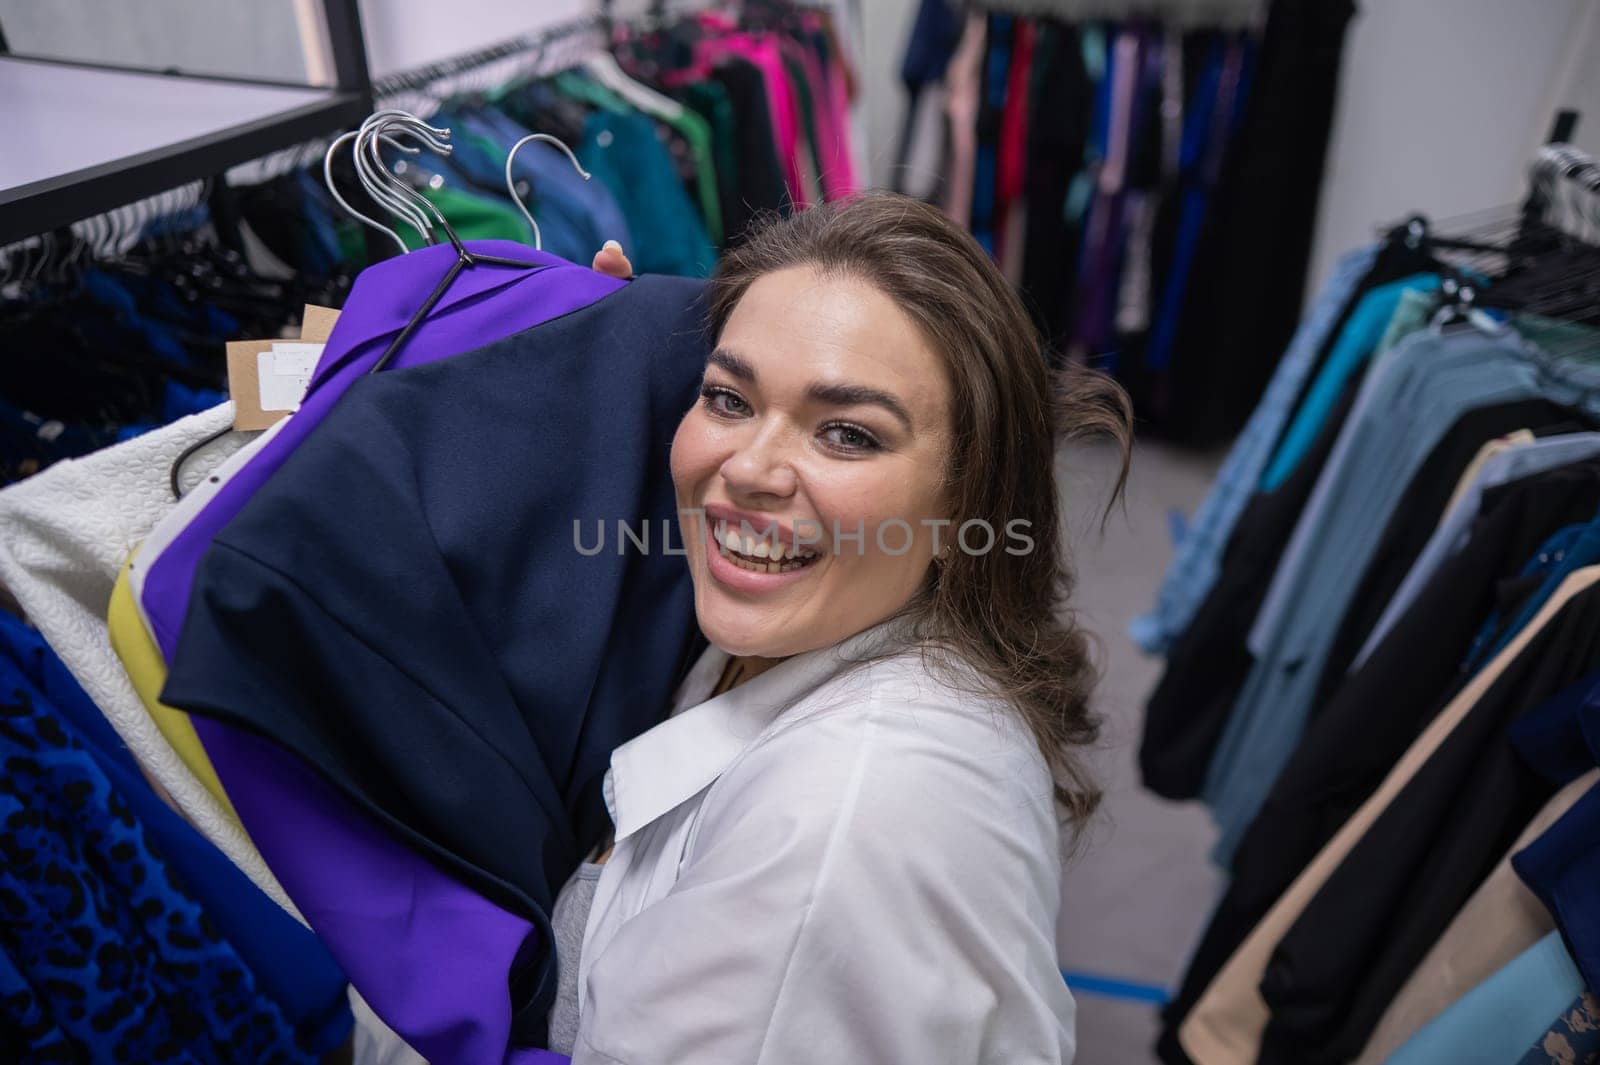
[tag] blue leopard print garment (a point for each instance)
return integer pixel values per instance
(103, 957)
(1572, 1039)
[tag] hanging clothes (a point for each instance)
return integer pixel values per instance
(289, 966)
(1391, 429)
(483, 304)
(1512, 464)
(994, 79)
(1416, 865)
(67, 534)
(1197, 560)
(1500, 921)
(520, 697)
(963, 99)
(1228, 1022)
(709, 99)
(920, 151)
(1049, 266)
(1189, 158)
(764, 52)
(1208, 664)
(1249, 276)
(1361, 337)
(622, 151)
(1011, 149)
(103, 949)
(1348, 749)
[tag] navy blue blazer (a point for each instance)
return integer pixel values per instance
(403, 606)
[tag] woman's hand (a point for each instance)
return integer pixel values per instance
(610, 261)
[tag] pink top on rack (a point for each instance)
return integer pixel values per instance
(962, 76)
(843, 164)
(835, 168)
(763, 50)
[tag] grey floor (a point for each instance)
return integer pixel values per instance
(1138, 892)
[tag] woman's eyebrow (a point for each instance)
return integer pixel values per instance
(838, 395)
(842, 395)
(733, 364)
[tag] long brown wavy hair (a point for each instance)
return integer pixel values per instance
(1005, 615)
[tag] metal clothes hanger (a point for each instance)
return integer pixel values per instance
(376, 177)
(366, 130)
(392, 126)
(511, 185)
(333, 190)
(394, 192)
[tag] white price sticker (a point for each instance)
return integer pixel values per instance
(285, 374)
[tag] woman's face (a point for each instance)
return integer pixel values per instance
(822, 428)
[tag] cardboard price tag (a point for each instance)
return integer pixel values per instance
(316, 325)
(268, 378)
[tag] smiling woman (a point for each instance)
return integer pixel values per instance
(823, 411)
(892, 330)
(845, 843)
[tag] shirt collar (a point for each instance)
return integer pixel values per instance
(672, 762)
(388, 294)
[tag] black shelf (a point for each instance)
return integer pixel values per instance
(83, 139)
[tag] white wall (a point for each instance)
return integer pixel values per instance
(244, 38)
(1441, 106)
(886, 25)
(402, 34)
(262, 38)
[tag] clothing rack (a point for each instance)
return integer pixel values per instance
(1566, 194)
(1220, 13)
(581, 32)
(97, 236)
(158, 130)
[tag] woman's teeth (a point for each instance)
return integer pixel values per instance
(761, 554)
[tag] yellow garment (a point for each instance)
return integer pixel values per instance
(1226, 1025)
(137, 649)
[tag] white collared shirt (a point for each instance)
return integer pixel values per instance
(828, 866)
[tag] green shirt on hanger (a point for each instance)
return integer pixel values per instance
(697, 132)
(710, 101)
(472, 215)
(691, 126)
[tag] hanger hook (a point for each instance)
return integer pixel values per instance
(374, 125)
(333, 190)
(369, 171)
(375, 176)
(399, 195)
(327, 177)
(511, 185)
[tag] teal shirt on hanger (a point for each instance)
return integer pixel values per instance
(621, 150)
(1358, 341)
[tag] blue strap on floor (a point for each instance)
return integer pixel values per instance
(1082, 983)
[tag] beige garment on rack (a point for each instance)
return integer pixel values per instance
(1500, 921)
(1491, 448)
(962, 78)
(1226, 1025)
